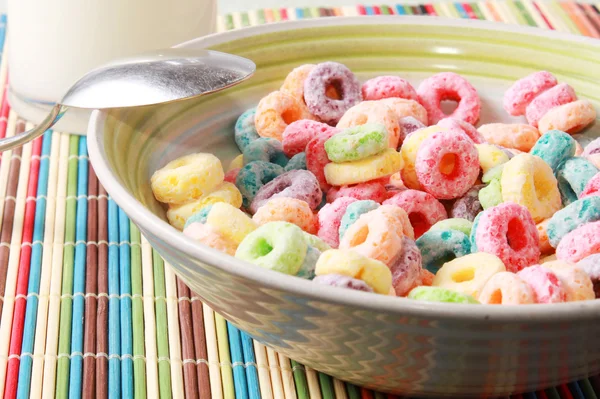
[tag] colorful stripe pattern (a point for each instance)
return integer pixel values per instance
(88, 309)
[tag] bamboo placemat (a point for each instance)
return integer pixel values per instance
(88, 309)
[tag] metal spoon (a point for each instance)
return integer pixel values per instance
(155, 78)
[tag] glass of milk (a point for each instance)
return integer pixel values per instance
(52, 43)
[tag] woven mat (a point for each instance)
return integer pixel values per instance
(88, 308)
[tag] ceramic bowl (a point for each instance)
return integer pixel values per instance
(386, 343)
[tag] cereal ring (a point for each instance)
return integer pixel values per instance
(511, 135)
(449, 86)
(386, 87)
(490, 195)
(289, 210)
(594, 159)
(404, 108)
(320, 78)
(523, 91)
(245, 129)
(423, 209)
(468, 274)
(572, 176)
(593, 147)
(352, 264)
(297, 135)
(409, 151)
(462, 225)
(371, 190)
(426, 278)
(508, 231)
(490, 156)
(542, 228)
(330, 217)
(579, 243)
(406, 269)
(574, 215)
(467, 206)
(353, 212)
(447, 165)
(377, 234)
(570, 118)
(549, 258)
(458, 125)
(527, 180)
(592, 187)
(267, 150)
(437, 294)
(236, 163)
(555, 147)
(314, 241)
(294, 85)
(546, 286)
(278, 246)
(253, 176)
(209, 236)
(231, 176)
(373, 112)
(441, 246)
(316, 157)
(338, 280)
(177, 215)
(591, 265)
(574, 279)
(187, 178)
(506, 288)
(297, 162)
(371, 168)
(230, 222)
(274, 112)
(408, 125)
(551, 98)
(357, 142)
(299, 184)
(307, 270)
(198, 217)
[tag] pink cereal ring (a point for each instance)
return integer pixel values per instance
(422, 208)
(316, 156)
(509, 232)
(319, 80)
(454, 124)
(579, 243)
(330, 217)
(523, 91)
(592, 187)
(506, 288)
(447, 165)
(373, 112)
(372, 190)
(208, 235)
(290, 210)
(386, 87)
(274, 112)
(554, 97)
(546, 286)
(297, 135)
(449, 86)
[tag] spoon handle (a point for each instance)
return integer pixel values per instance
(16, 141)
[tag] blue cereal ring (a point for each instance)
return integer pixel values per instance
(440, 246)
(353, 212)
(200, 216)
(307, 270)
(245, 130)
(267, 150)
(573, 175)
(253, 176)
(569, 218)
(555, 147)
(297, 162)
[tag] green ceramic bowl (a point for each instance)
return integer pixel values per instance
(386, 343)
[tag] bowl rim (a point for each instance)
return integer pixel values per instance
(582, 310)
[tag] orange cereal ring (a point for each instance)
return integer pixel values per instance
(373, 112)
(519, 136)
(403, 108)
(545, 247)
(275, 111)
(506, 288)
(570, 118)
(292, 210)
(294, 85)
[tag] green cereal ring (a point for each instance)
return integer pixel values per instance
(493, 174)
(278, 246)
(462, 225)
(357, 142)
(491, 195)
(438, 294)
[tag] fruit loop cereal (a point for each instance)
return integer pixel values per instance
(372, 187)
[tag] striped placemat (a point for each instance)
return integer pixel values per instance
(88, 309)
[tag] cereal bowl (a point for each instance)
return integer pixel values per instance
(391, 344)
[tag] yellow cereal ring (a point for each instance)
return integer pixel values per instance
(570, 117)
(403, 108)
(187, 178)
(232, 223)
(237, 162)
(383, 164)
(528, 181)
(290, 210)
(352, 264)
(516, 135)
(490, 156)
(574, 279)
(373, 112)
(506, 288)
(468, 274)
(274, 112)
(294, 86)
(208, 235)
(177, 215)
(409, 150)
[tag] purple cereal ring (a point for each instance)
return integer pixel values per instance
(592, 148)
(386, 87)
(467, 206)
(406, 269)
(337, 280)
(462, 126)
(298, 184)
(408, 125)
(316, 85)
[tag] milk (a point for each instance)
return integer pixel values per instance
(52, 43)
